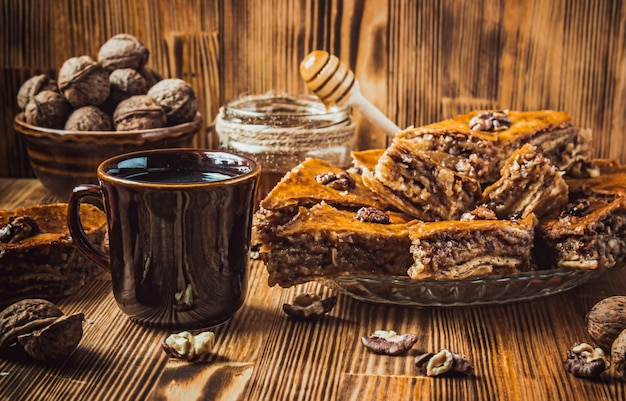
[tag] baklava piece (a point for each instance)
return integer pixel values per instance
(471, 247)
(589, 233)
(311, 182)
(610, 182)
(479, 143)
(425, 188)
(324, 242)
(38, 258)
(529, 183)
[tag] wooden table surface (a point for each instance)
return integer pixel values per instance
(261, 354)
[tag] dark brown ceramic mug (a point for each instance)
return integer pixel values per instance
(179, 227)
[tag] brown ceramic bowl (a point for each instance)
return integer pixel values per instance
(64, 159)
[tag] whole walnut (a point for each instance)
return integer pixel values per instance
(125, 82)
(606, 320)
(138, 112)
(41, 328)
(177, 98)
(33, 86)
(151, 76)
(47, 109)
(123, 51)
(128, 81)
(89, 118)
(618, 354)
(83, 81)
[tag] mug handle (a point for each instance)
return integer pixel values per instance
(82, 242)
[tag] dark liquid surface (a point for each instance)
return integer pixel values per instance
(175, 177)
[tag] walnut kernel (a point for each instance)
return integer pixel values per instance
(490, 121)
(309, 306)
(585, 361)
(185, 345)
(443, 362)
(341, 181)
(18, 228)
(389, 342)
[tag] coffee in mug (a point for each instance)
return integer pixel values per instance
(179, 227)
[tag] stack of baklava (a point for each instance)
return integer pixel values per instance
(486, 193)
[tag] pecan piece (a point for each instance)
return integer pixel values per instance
(585, 361)
(372, 215)
(341, 181)
(389, 342)
(443, 362)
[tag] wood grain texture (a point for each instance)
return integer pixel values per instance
(419, 62)
(261, 354)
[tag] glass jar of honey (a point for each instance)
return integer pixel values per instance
(280, 130)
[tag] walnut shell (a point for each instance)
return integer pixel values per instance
(89, 118)
(83, 81)
(47, 109)
(618, 354)
(151, 76)
(138, 112)
(33, 86)
(606, 320)
(177, 98)
(23, 317)
(56, 340)
(123, 51)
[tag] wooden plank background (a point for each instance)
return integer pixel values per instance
(418, 61)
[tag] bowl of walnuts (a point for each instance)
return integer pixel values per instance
(99, 108)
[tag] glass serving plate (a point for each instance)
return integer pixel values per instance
(400, 290)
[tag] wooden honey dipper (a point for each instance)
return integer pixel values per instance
(334, 83)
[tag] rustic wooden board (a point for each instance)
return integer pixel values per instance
(261, 354)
